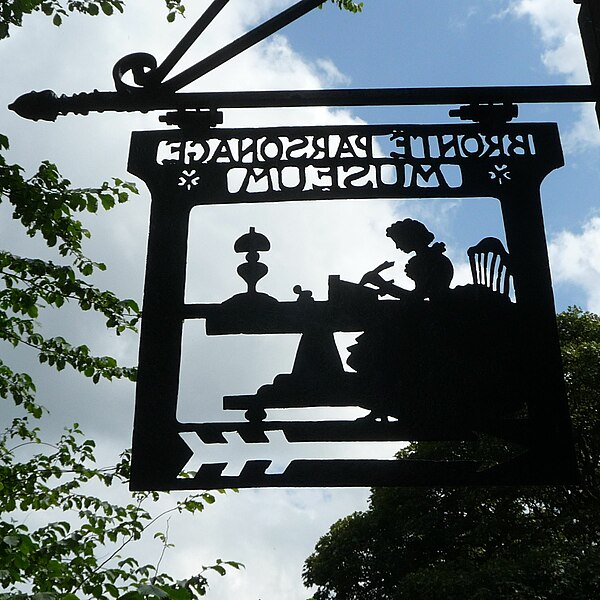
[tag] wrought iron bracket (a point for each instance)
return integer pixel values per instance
(151, 91)
(149, 76)
(47, 106)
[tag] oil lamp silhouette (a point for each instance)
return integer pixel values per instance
(252, 271)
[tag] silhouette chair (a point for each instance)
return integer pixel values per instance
(490, 265)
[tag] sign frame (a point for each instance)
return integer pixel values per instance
(504, 161)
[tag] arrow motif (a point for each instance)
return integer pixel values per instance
(277, 451)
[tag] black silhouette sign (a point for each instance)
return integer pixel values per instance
(433, 360)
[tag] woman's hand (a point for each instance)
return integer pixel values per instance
(374, 278)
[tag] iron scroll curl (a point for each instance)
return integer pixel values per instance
(141, 65)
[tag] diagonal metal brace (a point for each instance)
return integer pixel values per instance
(149, 76)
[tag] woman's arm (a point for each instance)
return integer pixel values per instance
(384, 287)
(387, 288)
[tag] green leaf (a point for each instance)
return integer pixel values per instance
(113, 590)
(177, 593)
(152, 590)
(107, 201)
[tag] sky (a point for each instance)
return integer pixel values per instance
(393, 43)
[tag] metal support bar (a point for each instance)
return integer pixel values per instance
(589, 27)
(46, 105)
(186, 42)
(256, 35)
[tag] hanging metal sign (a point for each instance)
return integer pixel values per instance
(435, 362)
(476, 364)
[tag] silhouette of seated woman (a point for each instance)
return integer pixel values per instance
(427, 361)
(430, 269)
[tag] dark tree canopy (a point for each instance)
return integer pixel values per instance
(480, 543)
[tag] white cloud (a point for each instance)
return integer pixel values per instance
(330, 73)
(556, 24)
(575, 256)
(585, 132)
(575, 259)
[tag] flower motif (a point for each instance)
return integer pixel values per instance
(500, 174)
(188, 179)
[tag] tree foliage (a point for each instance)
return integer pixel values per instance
(76, 542)
(59, 559)
(480, 543)
(13, 11)
(46, 205)
(84, 554)
(350, 5)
